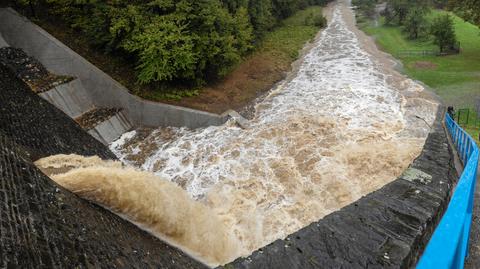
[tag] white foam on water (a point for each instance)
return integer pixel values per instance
(335, 132)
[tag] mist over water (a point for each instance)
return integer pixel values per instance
(335, 132)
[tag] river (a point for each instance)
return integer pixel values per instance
(337, 130)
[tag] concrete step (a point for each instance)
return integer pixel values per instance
(105, 124)
(71, 98)
(3, 43)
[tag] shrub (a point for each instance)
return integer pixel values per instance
(315, 19)
(319, 20)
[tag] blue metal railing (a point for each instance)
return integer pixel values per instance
(448, 246)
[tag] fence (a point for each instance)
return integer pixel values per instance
(448, 246)
(477, 106)
(455, 49)
(407, 53)
(467, 118)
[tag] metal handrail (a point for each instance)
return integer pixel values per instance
(448, 246)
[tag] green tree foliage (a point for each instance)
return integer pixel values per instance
(467, 9)
(440, 4)
(443, 32)
(187, 41)
(316, 20)
(398, 10)
(416, 24)
(243, 30)
(261, 16)
(366, 7)
(165, 52)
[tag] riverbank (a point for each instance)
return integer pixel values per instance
(455, 78)
(257, 74)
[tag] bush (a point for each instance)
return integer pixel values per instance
(315, 19)
(319, 20)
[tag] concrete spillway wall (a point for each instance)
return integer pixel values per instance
(74, 100)
(71, 98)
(101, 89)
(3, 43)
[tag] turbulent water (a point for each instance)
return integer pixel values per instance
(318, 142)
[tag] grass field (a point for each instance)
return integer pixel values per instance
(285, 41)
(455, 78)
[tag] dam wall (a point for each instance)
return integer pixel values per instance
(388, 228)
(104, 91)
(53, 228)
(46, 226)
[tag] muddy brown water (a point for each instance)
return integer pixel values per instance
(344, 125)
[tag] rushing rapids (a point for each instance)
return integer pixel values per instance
(333, 133)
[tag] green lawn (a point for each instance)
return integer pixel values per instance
(455, 78)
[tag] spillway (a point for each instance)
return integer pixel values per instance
(338, 130)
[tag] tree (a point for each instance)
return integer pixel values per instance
(31, 5)
(388, 14)
(243, 31)
(183, 42)
(284, 8)
(415, 23)
(399, 9)
(443, 32)
(261, 16)
(367, 7)
(467, 9)
(165, 51)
